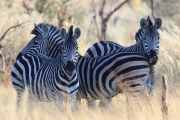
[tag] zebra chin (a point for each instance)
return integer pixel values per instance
(70, 68)
(153, 57)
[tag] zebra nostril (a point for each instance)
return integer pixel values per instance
(153, 57)
(152, 53)
(70, 62)
(70, 67)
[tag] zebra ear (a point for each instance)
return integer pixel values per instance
(45, 30)
(143, 23)
(63, 32)
(61, 44)
(77, 33)
(157, 23)
(34, 25)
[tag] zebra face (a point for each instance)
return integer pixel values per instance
(38, 44)
(151, 36)
(151, 41)
(70, 48)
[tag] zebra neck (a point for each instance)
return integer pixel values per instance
(138, 47)
(65, 75)
(55, 51)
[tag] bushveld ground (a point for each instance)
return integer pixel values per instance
(122, 32)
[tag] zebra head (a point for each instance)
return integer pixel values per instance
(46, 41)
(150, 36)
(69, 49)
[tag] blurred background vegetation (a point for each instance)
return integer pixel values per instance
(122, 26)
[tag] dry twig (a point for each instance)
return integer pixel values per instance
(94, 18)
(26, 7)
(2, 59)
(164, 98)
(12, 27)
(104, 20)
(2, 37)
(152, 9)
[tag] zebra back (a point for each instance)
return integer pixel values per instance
(106, 76)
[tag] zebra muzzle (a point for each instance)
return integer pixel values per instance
(70, 68)
(153, 57)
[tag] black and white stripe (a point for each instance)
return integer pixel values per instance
(47, 41)
(147, 36)
(103, 77)
(147, 41)
(49, 79)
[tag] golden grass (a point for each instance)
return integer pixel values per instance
(123, 33)
(118, 109)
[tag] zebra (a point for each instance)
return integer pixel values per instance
(105, 47)
(49, 79)
(147, 44)
(104, 77)
(47, 41)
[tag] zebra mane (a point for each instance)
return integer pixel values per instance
(38, 29)
(149, 21)
(71, 30)
(138, 34)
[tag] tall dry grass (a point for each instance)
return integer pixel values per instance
(122, 32)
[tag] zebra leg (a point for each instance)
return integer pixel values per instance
(105, 103)
(19, 97)
(148, 85)
(78, 100)
(151, 80)
(58, 102)
(91, 104)
(73, 102)
(153, 76)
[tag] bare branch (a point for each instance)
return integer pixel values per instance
(152, 9)
(88, 31)
(2, 59)
(103, 23)
(95, 22)
(12, 27)
(115, 9)
(3, 63)
(104, 20)
(94, 18)
(164, 107)
(26, 7)
(101, 11)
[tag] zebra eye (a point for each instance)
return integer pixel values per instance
(35, 43)
(158, 38)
